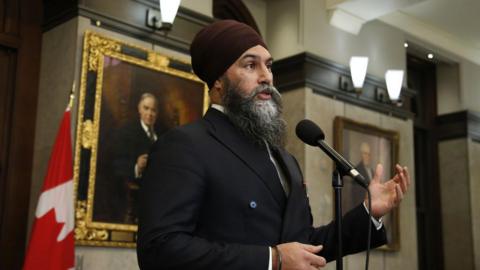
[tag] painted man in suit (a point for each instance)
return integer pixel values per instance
(364, 167)
(222, 192)
(132, 143)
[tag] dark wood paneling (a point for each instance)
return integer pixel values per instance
(9, 23)
(458, 125)
(56, 12)
(19, 122)
(9, 40)
(451, 126)
(7, 67)
(422, 77)
(2, 14)
(474, 125)
(323, 76)
(9, 17)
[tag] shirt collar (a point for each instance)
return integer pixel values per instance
(144, 126)
(218, 107)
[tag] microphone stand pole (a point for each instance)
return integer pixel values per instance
(337, 184)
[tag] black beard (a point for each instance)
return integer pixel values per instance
(259, 120)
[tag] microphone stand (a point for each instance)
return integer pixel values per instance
(337, 184)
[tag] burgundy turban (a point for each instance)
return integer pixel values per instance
(216, 47)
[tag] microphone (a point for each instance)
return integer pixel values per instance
(313, 135)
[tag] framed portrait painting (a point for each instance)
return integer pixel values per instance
(129, 96)
(365, 146)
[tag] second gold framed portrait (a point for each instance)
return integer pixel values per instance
(365, 146)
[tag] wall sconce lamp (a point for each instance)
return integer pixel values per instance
(358, 71)
(163, 20)
(393, 79)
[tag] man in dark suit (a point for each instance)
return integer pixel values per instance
(222, 193)
(131, 145)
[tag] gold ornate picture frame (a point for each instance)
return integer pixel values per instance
(111, 133)
(365, 146)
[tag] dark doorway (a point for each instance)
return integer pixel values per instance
(422, 78)
(20, 41)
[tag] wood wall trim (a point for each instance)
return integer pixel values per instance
(135, 31)
(458, 125)
(11, 41)
(323, 76)
(56, 12)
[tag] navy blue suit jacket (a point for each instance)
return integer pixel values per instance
(211, 199)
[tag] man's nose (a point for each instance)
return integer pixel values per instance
(265, 76)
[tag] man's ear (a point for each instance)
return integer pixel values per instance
(218, 86)
(217, 91)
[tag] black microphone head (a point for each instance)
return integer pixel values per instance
(309, 132)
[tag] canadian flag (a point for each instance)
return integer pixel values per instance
(51, 244)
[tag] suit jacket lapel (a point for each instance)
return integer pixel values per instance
(297, 192)
(254, 156)
(140, 130)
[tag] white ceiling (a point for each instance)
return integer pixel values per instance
(460, 18)
(451, 25)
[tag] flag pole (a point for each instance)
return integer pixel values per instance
(72, 96)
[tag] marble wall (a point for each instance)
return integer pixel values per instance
(469, 85)
(448, 88)
(102, 258)
(57, 72)
(474, 169)
(455, 201)
(203, 6)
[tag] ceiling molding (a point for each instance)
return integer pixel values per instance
(345, 21)
(350, 15)
(433, 35)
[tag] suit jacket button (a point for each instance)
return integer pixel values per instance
(253, 204)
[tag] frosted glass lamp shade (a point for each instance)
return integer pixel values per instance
(394, 79)
(358, 70)
(168, 10)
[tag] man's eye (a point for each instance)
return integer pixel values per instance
(250, 66)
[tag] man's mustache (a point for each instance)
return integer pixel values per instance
(264, 88)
